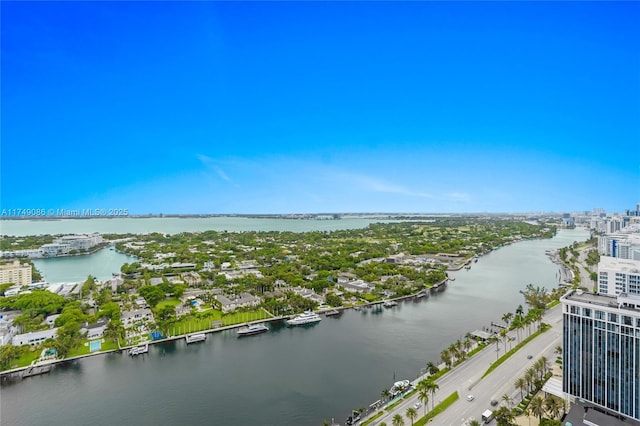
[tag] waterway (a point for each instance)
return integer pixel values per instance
(101, 264)
(174, 225)
(289, 376)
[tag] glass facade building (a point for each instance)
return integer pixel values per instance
(601, 350)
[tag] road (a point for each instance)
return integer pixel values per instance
(466, 378)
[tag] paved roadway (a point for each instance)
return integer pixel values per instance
(466, 378)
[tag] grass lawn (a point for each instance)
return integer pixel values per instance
(25, 359)
(83, 349)
(167, 302)
(240, 317)
(438, 409)
(204, 320)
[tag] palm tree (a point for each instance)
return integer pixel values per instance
(503, 415)
(474, 422)
(423, 396)
(507, 399)
(536, 406)
(530, 377)
(468, 344)
(398, 420)
(432, 368)
(553, 405)
(558, 350)
(411, 414)
(521, 384)
(503, 334)
(432, 387)
(507, 318)
(446, 357)
(385, 394)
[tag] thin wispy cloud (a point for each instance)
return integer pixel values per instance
(212, 165)
(457, 196)
(379, 185)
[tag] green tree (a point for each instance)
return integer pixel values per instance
(110, 310)
(423, 396)
(166, 313)
(411, 414)
(333, 300)
(397, 420)
(152, 294)
(537, 407)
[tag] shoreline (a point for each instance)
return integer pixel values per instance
(123, 349)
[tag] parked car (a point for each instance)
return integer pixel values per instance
(470, 397)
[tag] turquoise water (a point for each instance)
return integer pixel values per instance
(101, 265)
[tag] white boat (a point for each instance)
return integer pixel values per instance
(307, 317)
(390, 303)
(194, 338)
(252, 329)
(332, 312)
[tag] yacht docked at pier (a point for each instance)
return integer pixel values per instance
(307, 317)
(252, 329)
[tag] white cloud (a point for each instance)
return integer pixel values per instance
(211, 164)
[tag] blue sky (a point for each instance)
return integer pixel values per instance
(298, 107)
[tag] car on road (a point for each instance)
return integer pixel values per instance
(417, 405)
(494, 402)
(470, 397)
(529, 356)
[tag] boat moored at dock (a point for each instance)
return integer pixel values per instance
(307, 317)
(252, 329)
(195, 338)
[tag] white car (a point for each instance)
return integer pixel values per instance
(470, 397)
(417, 405)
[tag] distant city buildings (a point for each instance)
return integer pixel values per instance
(601, 335)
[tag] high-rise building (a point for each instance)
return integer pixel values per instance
(15, 273)
(616, 276)
(601, 353)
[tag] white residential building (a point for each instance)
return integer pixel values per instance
(358, 286)
(80, 242)
(138, 316)
(34, 338)
(624, 245)
(616, 276)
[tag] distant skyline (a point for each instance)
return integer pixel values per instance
(305, 107)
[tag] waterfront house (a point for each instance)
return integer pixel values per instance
(138, 316)
(231, 303)
(34, 338)
(358, 286)
(308, 293)
(95, 330)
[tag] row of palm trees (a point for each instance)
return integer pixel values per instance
(457, 351)
(426, 389)
(533, 376)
